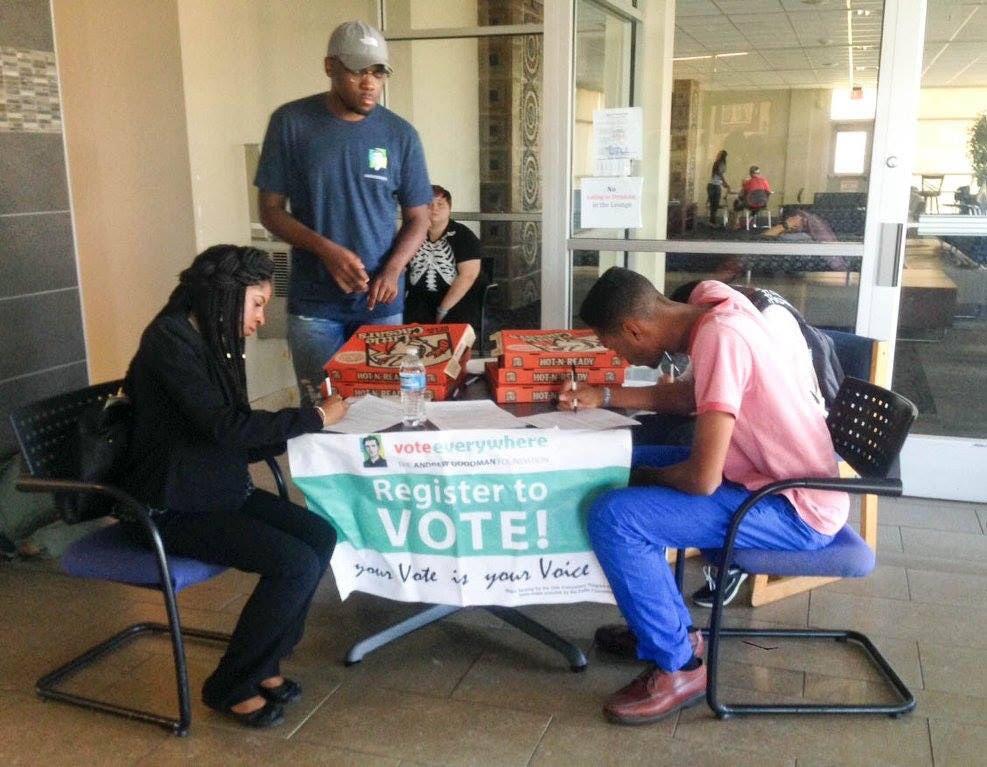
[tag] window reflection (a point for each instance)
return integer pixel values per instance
(791, 90)
(824, 288)
(942, 321)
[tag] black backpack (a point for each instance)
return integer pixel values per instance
(829, 371)
(96, 453)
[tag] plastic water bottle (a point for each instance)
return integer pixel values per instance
(412, 376)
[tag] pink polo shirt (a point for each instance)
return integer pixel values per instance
(778, 433)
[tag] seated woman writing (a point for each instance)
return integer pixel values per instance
(444, 280)
(194, 434)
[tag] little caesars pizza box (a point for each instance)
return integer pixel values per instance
(541, 349)
(370, 361)
(547, 376)
(504, 393)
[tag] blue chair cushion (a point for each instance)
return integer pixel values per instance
(847, 556)
(109, 554)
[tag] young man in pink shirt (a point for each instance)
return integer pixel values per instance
(753, 426)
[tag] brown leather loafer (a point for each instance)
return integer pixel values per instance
(655, 694)
(618, 639)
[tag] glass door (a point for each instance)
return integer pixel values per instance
(940, 336)
(733, 97)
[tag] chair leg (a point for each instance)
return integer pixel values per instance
(47, 686)
(905, 704)
(680, 570)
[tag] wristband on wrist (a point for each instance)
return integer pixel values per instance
(440, 313)
(607, 396)
(322, 413)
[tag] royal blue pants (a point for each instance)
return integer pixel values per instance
(631, 528)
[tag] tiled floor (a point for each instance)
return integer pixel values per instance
(471, 691)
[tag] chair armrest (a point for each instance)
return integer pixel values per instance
(275, 468)
(129, 506)
(890, 486)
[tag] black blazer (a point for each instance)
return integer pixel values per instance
(191, 441)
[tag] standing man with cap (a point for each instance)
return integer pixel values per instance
(343, 164)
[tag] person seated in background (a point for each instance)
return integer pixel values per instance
(194, 434)
(753, 426)
(754, 191)
(801, 226)
(444, 276)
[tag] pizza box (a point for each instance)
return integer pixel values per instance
(373, 354)
(439, 392)
(504, 393)
(539, 349)
(527, 376)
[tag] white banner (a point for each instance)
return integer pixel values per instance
(471, 517)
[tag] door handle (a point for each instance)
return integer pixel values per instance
(890, 248)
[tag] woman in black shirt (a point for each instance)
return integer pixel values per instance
(444, 279)
(193, 437)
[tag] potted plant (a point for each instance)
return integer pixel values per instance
(977, 147)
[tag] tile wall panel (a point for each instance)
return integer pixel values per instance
(42, 351)
(40, 331)
(29, 91)
(27, 24)
(37, 253)
(32, 172)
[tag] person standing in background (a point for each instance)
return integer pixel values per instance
(331, 168)
(717, 183)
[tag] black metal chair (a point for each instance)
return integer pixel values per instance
(487, 269)
(45, 431)
(868, 425)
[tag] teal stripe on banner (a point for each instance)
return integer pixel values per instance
(475, 515)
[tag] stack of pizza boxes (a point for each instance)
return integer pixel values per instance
(535, 365)
(370, 361)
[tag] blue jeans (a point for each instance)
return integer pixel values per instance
(631, 528)
(313, 341)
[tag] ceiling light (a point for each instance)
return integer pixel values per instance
(710, 56)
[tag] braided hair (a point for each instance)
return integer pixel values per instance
(212, 291)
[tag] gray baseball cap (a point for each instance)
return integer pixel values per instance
(358, 46)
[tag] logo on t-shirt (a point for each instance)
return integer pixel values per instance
(377, 159)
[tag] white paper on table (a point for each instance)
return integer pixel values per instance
(590, 418)
(471, 414)
(366, 415)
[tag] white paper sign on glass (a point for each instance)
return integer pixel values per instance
(611, 203)
(617, 133)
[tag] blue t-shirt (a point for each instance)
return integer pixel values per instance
(344, 180)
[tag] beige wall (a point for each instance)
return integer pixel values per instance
(434, 87)
(240, 60)
(944, 121)
(121, 80)
(787, 133)
(752, 126)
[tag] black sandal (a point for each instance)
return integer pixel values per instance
(287, 692)
(270, 714)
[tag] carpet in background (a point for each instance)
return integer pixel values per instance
(909, 378)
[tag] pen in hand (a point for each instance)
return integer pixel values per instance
(572, 383)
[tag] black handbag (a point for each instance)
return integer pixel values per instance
(97, 453)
